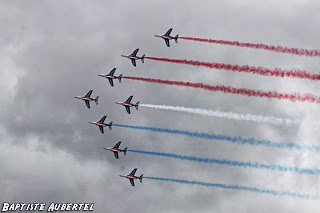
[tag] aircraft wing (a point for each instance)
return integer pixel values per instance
(112, 71)
(103, 119)
(129, 99)
(135, 52)
(132, 182)
(117, 145)
(88, 104)
(110, 81)
(168, 32)
(116, 155)
(167, 42)
(133, 171)
(133, 62)
(128, 109)
(89, 93)
(101, 129)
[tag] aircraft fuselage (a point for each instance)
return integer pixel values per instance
(113, 149)
(165, 37)
(99, 124)
(130, 177)
(125, 104)
(134, 57)
(109, 76)
(85, 98)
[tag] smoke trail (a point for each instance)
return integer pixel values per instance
(228, 115)
(239, 91)
(242, 188)
(257, 165)
(245, 68)
(233, 139)
(295, 51)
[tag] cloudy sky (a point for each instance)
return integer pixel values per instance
(51, 51)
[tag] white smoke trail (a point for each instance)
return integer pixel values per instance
(228, 115)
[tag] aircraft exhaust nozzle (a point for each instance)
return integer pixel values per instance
(142, 58)
(101, 75)
(125, 151)
(110, 125)
(176, 38)
(137, 105)
(96, 100)
(120, 77)
(140, 178)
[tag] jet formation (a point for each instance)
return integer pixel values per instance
(127, 104)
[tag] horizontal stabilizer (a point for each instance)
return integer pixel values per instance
(176, 38)
(125, 151)
(97, 100)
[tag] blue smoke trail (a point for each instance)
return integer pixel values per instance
(233, 139)
(257, 165)
(243, 188)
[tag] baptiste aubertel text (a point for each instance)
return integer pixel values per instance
(6, 207)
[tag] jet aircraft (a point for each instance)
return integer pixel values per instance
(134, 57)
(116, 149)
(131, 177)
(87, 98)
(111, 76)
(101, 124)
(127, 104)
(166, 37)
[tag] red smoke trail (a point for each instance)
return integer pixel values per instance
(240, 91)
(295, 51)
(245, 68)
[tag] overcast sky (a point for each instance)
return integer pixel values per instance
(51, 51)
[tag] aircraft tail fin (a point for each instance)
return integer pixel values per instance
(120, 77)
(97, 100)
(125, 151)
(110, 125)
(142, 58)
(140, 178)
(176, 38)
(137, 105)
